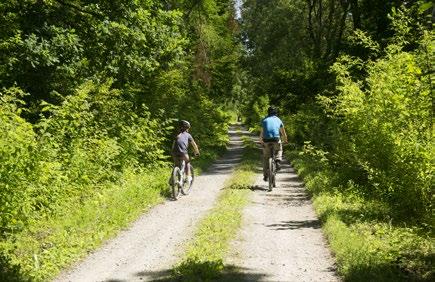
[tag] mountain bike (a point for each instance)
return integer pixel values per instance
(179, 182)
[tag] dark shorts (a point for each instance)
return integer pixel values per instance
(271, 140)
(178, 157)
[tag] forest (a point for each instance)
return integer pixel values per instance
(91, 91)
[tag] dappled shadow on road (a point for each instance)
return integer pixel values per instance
(289, 196)
(247, 187)
(162, 275)
(293, 178)
(231, 158)
(205, 271)
(295, 224)
(290, 190)
(226, 164)
(258, 188)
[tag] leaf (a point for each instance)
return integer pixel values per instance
(425, 6)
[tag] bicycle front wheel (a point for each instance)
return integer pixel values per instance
(271, 174)
(187, 187)
(176, 182)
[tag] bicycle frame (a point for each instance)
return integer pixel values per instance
(182, 166)
(272, 167)
(272, 153)
(180, 181)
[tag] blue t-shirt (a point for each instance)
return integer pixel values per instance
(271, 126)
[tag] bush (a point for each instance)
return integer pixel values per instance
(255, 111)
(377, 128)
(90, 139)
(17, 148)
(385, 129)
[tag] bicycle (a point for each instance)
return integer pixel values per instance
(179, 182)
(272, 162)
(272, 169)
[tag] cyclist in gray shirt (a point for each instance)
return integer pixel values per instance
(180, 147)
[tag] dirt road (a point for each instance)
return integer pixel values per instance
(280, 240)
(154, 242)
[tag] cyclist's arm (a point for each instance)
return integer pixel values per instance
(261, 136)
(195, 147)
(283, 134)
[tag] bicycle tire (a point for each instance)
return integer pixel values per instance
(186, 187)
(175, 185)
(271, 174)
(274, 174)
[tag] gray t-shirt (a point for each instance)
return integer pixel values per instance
(182, 143)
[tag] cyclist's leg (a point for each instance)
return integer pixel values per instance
(187, 171)
(277, 146)
(278, 150)
(266, 155)
(186, 159)
(176, 161)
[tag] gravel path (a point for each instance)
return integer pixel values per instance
(281, 239)
(149, 248)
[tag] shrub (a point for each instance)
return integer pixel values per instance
(17, 147)
(384, 124)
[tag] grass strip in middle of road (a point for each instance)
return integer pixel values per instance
(203, 260)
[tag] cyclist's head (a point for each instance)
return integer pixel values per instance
(272, 111)
(184, 125)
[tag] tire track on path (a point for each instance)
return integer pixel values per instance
(147, 250)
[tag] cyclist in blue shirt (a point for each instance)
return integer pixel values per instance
(272, 130)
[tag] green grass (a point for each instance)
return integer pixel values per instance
(204, 258)
(46, 246)
(368, 243)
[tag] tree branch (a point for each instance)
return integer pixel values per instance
(79, 9)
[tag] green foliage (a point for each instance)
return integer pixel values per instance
(17, 148)
(210, 129)
(376, 128)
(82, 144)
(386, 127)
(290, 45)
(129, 41)
(368, 243)
(353, 80)
(309, 123)
(104, 81)
(47, 246)
(255, 111)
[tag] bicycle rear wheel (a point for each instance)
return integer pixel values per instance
(271, 174)
(187, 187)
(274, 175)
(176, 183)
